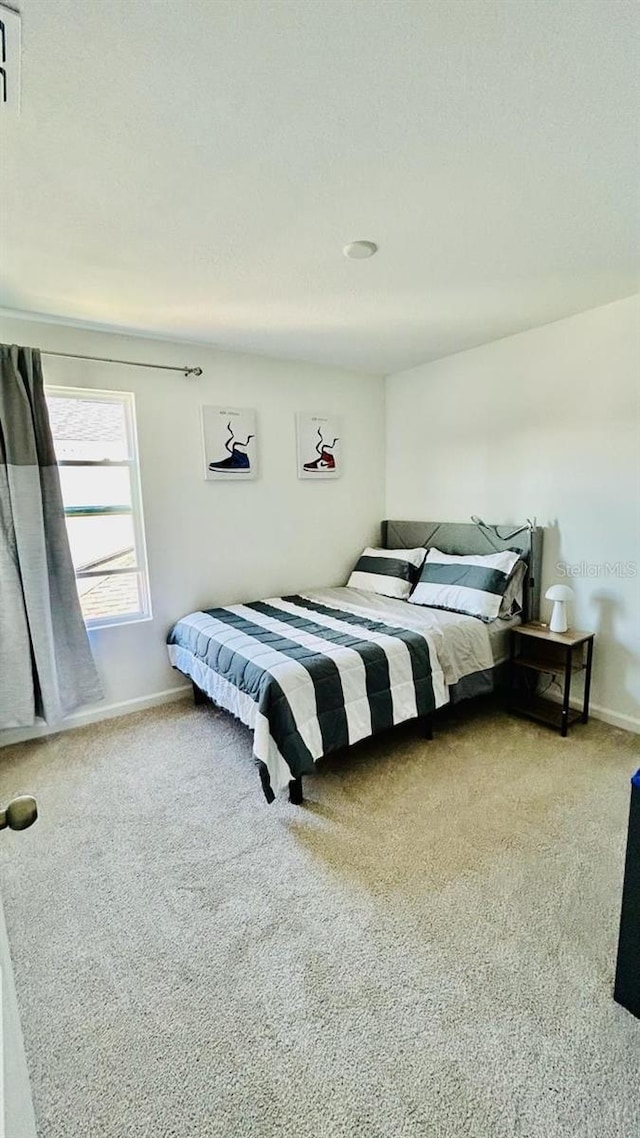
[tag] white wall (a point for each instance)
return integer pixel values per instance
(545, 423)
(209, 543)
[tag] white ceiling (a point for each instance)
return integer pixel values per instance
(192, 168)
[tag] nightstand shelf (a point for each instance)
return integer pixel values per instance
(545, 711)
(536, 650)
(548, 665)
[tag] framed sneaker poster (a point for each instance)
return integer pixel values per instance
(319, 446)
(230, 444)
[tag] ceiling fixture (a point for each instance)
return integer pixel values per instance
(359, 250)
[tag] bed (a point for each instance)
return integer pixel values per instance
(312, 673)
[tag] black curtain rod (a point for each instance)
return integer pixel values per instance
(186, 371)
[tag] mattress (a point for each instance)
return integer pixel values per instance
(500, 637)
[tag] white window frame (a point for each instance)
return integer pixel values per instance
(128, 403)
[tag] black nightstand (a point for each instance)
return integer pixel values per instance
(535, 648)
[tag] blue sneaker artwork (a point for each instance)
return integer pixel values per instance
(230, 436)
(237, 460)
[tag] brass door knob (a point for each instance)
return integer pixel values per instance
(19, 814)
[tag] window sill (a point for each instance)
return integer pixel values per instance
(117, 621)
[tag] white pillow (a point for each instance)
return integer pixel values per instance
(474, 585)
(390, 572)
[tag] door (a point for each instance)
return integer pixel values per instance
(17, 1119)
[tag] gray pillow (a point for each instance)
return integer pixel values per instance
(512, 601)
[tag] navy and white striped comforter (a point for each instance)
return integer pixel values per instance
(308, 677)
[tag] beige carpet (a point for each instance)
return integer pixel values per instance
(425, 950)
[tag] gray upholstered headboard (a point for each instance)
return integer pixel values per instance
(475, 537)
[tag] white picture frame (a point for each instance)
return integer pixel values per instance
(319, 449)
(230, 442)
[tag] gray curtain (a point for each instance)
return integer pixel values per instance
(46, 666)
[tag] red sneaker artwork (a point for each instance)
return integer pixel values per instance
(325, 460)
(320, 441)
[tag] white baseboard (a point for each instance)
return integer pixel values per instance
(93, 715)
(613, 718)
(127, 706)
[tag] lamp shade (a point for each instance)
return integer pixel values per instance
(559, 594)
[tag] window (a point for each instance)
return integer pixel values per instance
(94, 434)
